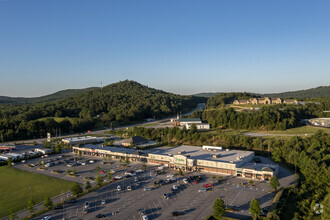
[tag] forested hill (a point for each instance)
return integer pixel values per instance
(47, 98)
(322, 91)
(119, 103)
(318, 92)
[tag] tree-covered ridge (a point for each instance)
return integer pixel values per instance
(47, 98)
(122, 102)
(321, 91)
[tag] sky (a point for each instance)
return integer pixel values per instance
(179, 46)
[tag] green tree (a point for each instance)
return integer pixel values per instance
(99, 180)
(251, 182)
(76, 189)
(219, 208)
(180, 172)
(30, 205)
(48, 202)
(255, 208)
(193, 129)
(144, 166)
(97, 169)
(80, 153)
(219, 179)
(9, 161)
(88, 185)
(127, 160)
(74, 172)
(109, 175)
(326, 207)
(274, 183)
(12, 214)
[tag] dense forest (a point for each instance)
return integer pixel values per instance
(266, 118)
(318, 92)
(310, 157)
(123, 102)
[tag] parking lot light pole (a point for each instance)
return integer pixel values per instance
(226, 197)
(30, 191)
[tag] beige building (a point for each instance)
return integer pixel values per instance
(265, 101)
(212, 159)
(190, 158)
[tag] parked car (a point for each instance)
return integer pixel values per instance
(195, 181)
(118, 188)
(118, 177)
(147, 189)
(165, 196)
(136, 179)
(46, 218)
(208, 185)
(103, 202)
(139, 171)
(145, 217)
(100, 216)
(176, 213)
(70, 201)
(86, 206)
(175, 187)
(185, 181)
(129, 188)
(58, 207)
(202, 190)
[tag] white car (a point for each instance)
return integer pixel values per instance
(139, 171)
(86, 205)
(118, 188)
(175, 187)
(103, 201)
(46, 217)
(145, 217)
(129, 188)
(185, 181)
(118, 177)
(147, 189)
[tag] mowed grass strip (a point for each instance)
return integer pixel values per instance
(15, 191)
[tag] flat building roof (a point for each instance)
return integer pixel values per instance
(194, 152)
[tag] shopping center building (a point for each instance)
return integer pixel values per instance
(191, 158)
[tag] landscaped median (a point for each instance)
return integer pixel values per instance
(18, 186)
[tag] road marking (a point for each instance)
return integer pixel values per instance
(236, 197)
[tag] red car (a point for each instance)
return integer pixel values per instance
(114, 179)
(195, 181)
(208, 185)
(102, 172)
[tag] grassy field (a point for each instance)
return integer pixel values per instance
(15, 191)
(57, 119)
(299, 130)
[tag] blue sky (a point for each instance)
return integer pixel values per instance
(180, 46)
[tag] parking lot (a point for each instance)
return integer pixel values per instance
(124, 204)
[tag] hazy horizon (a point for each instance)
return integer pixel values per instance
(193, 93)
(182, 47)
